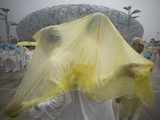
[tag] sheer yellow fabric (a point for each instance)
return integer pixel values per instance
(88, 55)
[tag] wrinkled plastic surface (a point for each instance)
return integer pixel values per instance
(88, 55)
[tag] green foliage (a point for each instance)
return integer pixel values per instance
(131, 13)
(136, 11)
(128, 8)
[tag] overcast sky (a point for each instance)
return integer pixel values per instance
(150, 15)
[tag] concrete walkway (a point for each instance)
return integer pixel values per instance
(10, 81)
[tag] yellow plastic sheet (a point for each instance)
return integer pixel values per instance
(25, 43)
(88, 55)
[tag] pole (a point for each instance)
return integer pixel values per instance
(7, 27)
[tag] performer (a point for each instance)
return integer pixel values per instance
(88, 63)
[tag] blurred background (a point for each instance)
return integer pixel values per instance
(137, 21)
(149, 16)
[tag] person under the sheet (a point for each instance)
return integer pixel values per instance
(80, 67)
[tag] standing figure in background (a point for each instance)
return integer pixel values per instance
(138, 44)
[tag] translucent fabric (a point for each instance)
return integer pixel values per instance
(88, 55)
(73, 106)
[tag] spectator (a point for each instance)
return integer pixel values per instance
(138, 44)
(13, 39)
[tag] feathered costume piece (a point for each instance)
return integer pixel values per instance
(88, 55)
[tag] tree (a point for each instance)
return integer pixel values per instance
(131, 14)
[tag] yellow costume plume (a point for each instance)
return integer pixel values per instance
(88, 55)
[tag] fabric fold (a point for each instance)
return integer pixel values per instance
(88, 55)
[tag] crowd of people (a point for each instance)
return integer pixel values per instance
(13, 58)
(150, 50)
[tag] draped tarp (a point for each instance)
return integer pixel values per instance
(88, 55)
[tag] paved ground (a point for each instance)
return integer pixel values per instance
(9, 82)
(155, 113)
